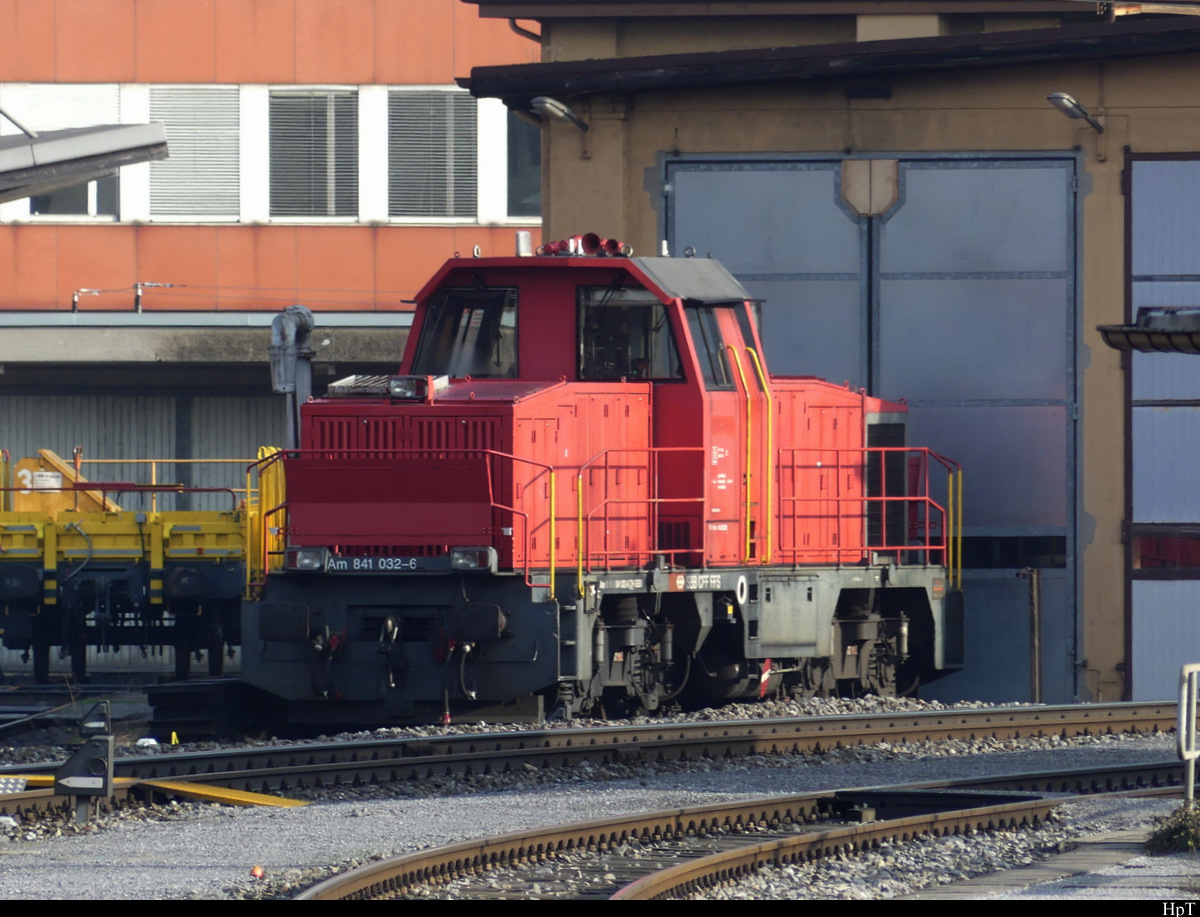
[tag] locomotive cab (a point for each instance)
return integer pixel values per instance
(584, 489)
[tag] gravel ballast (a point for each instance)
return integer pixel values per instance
(207, 852)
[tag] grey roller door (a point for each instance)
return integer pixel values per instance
(782, 229)
(959, 298)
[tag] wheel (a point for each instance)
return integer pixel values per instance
(183, 657)
(41, 661)
(79, 663)
(216, 652)
(815, 679)
(877, 672)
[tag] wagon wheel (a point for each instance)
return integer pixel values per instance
(41, 661)
(216, 651)
(815, 679)
(183, 652)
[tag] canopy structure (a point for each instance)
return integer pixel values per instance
(39, 163)
(862, 61)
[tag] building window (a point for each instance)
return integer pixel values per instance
(90, 199)
(524, 168)
(200, 177)
(432, 150)
(58, 106)
(314, 153)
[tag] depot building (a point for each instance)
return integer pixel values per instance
(922, 222)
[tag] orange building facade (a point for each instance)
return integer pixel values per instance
(234, 220)
(319, 153)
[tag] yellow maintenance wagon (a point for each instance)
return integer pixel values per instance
(77, 570)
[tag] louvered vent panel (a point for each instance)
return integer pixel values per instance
(432, 140)
(479, 434)
(314, 153)
(451, 433)
(200, 178)
(382, 434)
(429, 434)
(333, 433)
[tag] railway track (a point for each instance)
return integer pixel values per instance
(674, 853)
(290, 768)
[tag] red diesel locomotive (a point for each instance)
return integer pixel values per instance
(584, 490)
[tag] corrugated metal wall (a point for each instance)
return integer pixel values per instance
(232, 428)
(105, 426)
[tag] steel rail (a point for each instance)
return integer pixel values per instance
(397, 876)
(283, 768)
(33, 804)
(731, 865)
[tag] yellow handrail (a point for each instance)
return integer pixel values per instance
(770, 501)
(737, 362)
(953, 528)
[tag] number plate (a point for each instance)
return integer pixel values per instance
(385, 564)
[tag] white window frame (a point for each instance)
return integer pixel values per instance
(15, 99)
(254, 195)
(266, 155)
(482, 142)
(491, 166)
(500, 132)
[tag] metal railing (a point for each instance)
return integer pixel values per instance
(620, 510)
(273, 538)
(842, 500)
(652, 502)
(1185, 730)
(154, 486)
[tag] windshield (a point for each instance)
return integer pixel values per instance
(624, 334)
(469, 333)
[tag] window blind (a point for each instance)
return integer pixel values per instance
(200, 177)
(314, 153)
(432, 140)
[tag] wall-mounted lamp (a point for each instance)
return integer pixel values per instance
(1072, 109)
(552, 109)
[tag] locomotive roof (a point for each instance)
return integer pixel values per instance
(702, 280)
(695, 279)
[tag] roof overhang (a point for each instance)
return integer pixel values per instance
(53, 160)
(549, 10)
(517, 84)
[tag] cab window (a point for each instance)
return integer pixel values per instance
(624, 334)
(710, 347)
(469, 333)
